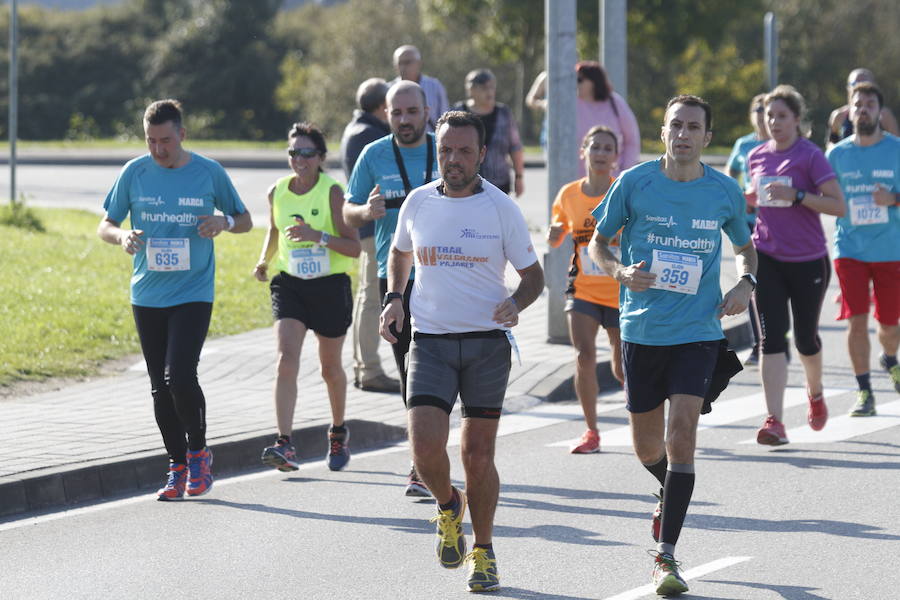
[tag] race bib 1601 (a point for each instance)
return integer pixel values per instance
(310, 263)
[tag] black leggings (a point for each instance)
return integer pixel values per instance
(401, 348)
(804, 284)
(171, 339)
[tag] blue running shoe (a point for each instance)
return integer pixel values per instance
(281, 455)
(200, 479)
(338, 449)
(175, 482)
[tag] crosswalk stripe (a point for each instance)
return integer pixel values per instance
(724, 412)
(710, 567)
(844, 427)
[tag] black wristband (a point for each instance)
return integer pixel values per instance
(390, 296)
(799, 197)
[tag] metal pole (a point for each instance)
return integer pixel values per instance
(770, 43)
(614, 43)
(562, 148)
(13, 95)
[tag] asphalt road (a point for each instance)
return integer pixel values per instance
(815, 519)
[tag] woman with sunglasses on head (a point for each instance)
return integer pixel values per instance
(313, 250)
(598, 104)
(793, 184)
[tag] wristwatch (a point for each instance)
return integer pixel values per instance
(799, 197)
(751, 278)
(389, 297)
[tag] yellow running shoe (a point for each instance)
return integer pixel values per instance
(450, 545)
(482, 570)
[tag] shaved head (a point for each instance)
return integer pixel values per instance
(406, 87)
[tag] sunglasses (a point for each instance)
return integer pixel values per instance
(304, 152)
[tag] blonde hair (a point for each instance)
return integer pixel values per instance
(795, 102)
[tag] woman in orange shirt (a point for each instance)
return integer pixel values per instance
(593, 296)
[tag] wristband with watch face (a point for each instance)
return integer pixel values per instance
(751, 278)
(390, 296)
(799, 197)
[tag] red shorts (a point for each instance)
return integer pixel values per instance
(855, 276)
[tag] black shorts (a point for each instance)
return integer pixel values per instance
(324, 305)
(606, 316)
(654, 373)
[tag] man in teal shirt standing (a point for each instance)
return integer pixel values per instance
(385, 173)
(867, 239)
(672, 212)
(170, 195)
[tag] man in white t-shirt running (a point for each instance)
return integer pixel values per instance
(460, 231)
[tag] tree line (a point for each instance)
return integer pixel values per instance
(246, 70)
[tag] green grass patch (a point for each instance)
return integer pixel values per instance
(65, 294)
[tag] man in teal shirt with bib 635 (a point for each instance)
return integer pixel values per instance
(171, 195)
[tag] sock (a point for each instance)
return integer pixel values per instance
(678, 488)
(658, 469)
(489, 547)
(453, 504)
(889, 361)
(339, 429)
(286, 439)
(864, 382)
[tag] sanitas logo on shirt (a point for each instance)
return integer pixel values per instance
(151, 200)
(183, 219)
(190, 201)
(673, 241)
(661, 221)
(447, 256)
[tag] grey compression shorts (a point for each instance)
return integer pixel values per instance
(473, 365)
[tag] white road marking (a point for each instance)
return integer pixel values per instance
(716, 565)
(844, 427)
(724, 412)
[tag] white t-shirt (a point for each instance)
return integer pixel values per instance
(460, 247)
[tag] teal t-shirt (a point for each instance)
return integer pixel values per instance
(678, 224)
(175, 265)
(377, 165)
(867, 232)
(737, 160)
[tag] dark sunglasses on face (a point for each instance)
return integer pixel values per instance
(304, 152)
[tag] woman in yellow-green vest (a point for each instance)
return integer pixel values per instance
(310, 250)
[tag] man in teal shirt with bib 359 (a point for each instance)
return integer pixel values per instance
(672, 212)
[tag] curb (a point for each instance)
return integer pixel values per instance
(144, 471)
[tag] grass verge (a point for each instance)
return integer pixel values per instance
(65, 293)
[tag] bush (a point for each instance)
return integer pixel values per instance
(16, 214)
